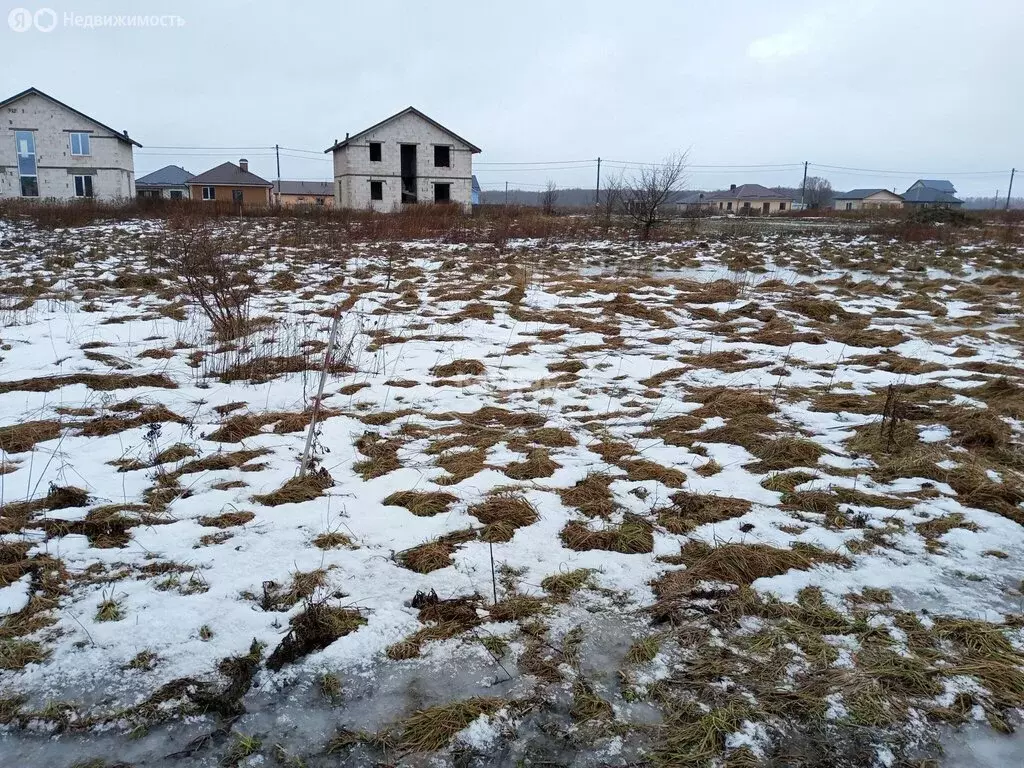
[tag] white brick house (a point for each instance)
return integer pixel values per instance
(407, 158)
(50, 150)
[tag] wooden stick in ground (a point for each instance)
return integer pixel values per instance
(319, 393)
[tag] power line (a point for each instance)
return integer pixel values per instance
(909, 173)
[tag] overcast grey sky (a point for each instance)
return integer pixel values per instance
(906, 85)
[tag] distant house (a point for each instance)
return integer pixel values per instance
(230, 183)
(866, 199)
(51, 150)
(406, 159)
(294, 193)
(749, 199)
(170, 182)
(932, 192)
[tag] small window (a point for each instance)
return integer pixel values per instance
(442, 193)
(80, 144)
(442, 157)
(83, 186)
(849, 206)
(176, 194)
(376, 190)
(319, 201)
(374, 151)
(237, 196)
(209, 193)
(728, 206)
(782, 206)
(29, 186)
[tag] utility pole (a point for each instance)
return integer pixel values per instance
(277, 152)
(803, 188)
(1010, 190)
(597, 191)
(995, 201)
(506, 194)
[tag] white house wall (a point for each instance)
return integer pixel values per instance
(110, 162)
(353, 169)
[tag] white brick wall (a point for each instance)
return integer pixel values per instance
(110, 162)
(353, 169)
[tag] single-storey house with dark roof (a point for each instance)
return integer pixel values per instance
(749, 199)
(291, 193)
(932, 192)
(171, 182)
(230, 183)
(866, 199)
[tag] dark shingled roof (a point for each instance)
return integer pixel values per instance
(943, 185)
(122, 135)
(929, 195)
(168, 176)
(859, 194)
(408, 110)
(748, 192)
(229, 175)
(312, 188)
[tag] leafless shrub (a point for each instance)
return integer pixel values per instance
(549, 198)
(651, 188)
(218, 281)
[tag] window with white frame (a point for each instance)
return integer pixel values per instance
(83, 186)
(25, 145)
(209, 193)
(80, 144)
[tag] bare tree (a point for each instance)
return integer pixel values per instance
(548, 198)
(818, 193)
(647, 193)
(609, 199)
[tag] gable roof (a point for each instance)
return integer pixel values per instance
(229, 175)
(943, 185)
(122, 136)
(407, 111)
(168, 176)
(314, 188)
(860, 194)
(929, 195)
(748, 192)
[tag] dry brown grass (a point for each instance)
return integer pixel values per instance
(381, 455)
(227, 519)
(690, 510)
(591, 496)
(729, 403)
(740, 564)
(422, 503)
(428, 730)
(297, 489)
(639, 470)
(459, 368)
(433, 555)
(19, 438)
(538, 464)
(100, 382)
(633, 536)
(502, 514)
(786, 453)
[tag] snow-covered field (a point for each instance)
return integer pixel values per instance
(747, 500)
